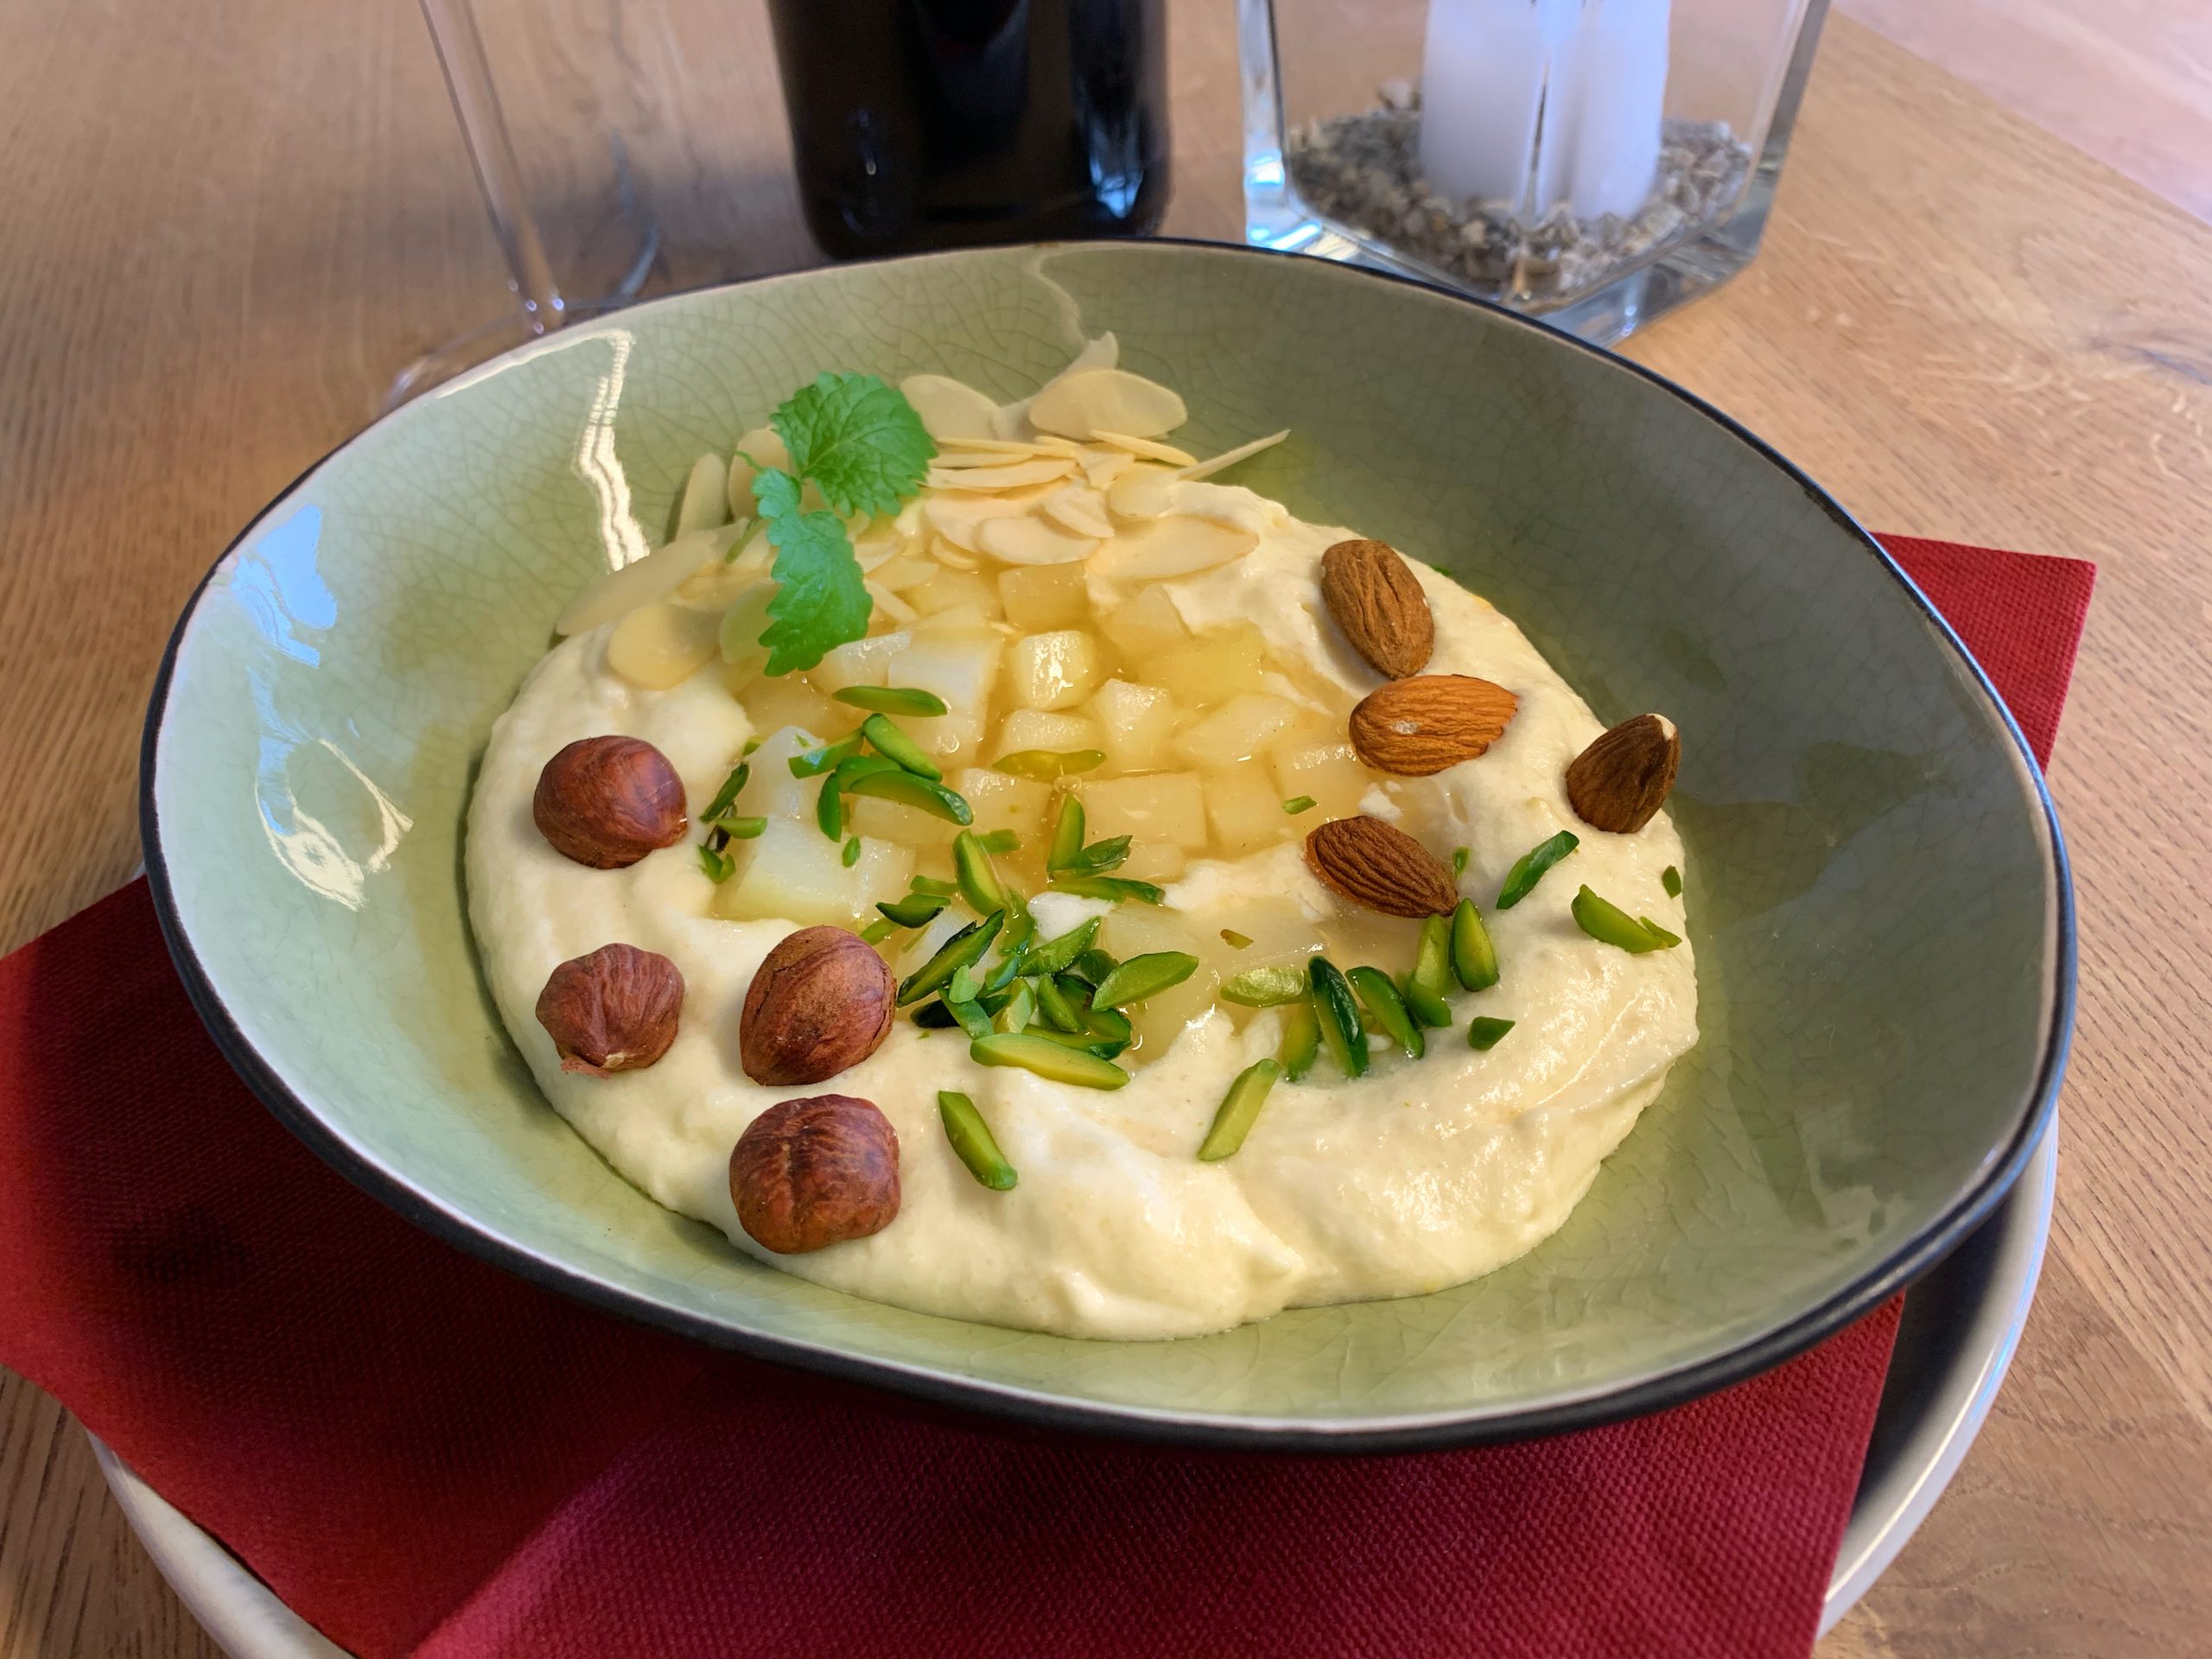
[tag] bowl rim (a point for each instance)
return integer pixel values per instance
(1432, 1430)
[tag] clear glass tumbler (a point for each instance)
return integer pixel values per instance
(1596, 162)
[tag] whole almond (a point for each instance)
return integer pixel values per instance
(614, 1010)
(1623, 778)
(810, 1173)
(1378, 602)
(820, 1001)
(1380, 866)
(1417, 727)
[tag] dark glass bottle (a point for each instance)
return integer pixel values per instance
(933, 124)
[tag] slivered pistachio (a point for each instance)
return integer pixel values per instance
(1301, 1040)
(1056, 956)
(970, 1015)
(854, 767)
(742, 829)
(915, 910)
(814, 762)
(937, 1015)
(1046, 765)
(1093, 965)
(979, 883)
(1264, 988)
(972, 1142)
(726, 796)
(1671, 879)
(1431, 971)
(909, 789)
(964, 986)
(1067, 835)
(1382, 1000)
(966, 946)
(892, 699)
(717, 864)
(1234, 940)
(1034, 1051)
(1459, 856)
(1298, 803)
(877, 932)
(998, 842)
(892, 744)
(1425, 1005)
(1338, 1015)
(829, 809)
(1143, 976)
(1483, 1033)
(932, 884)
(1608, 923)
(1115, 887)
(1021, 1008)
(1052, 1002)
(1238, 1110)
(1529, 868)
(1474, 958)
(851, 855)
(1097, 858)
(1666, 940)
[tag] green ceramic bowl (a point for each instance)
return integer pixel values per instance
(1877, 893)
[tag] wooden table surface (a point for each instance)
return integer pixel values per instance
(228, 224)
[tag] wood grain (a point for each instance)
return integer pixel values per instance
(231, 223)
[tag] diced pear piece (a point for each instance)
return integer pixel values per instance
(704, 504)
(1004, 803)
(792, 872)
(1078, 405)
(1280, 935)
(1329, 770)
(788, 700)
(1246, 812)
(1216, 665)
(1139, 930)
(617, 593)
(1034, 728)
(663, 644)
(1236, 731)
(858, 662)
(1079, 509)
(1166, 806)
(961, 666)
(1176, 546)
(950, 409)
(909, 826)
(1036, 598)
(1030, 540)
(770, 790)
(1136, 724)
(1146, 625)
(896, 574)
(950, 590)
(1155, 860)
(1054, 671)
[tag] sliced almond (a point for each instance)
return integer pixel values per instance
(1102, 467)
(1171, 547)
(1378, 603)
(1030, 540)
(1146, 448)
(1621, 780)
(1381, 867)
(1229, 458)
(655, 576)
(1079, 509)
(704, 504)
(950, 409)
(952, 557)
(1141, 491)
(766, 449)
(1012, 420)
(662, 645)
(955, 515)
(1020, 475)
(1418, 726)
(1107, 400)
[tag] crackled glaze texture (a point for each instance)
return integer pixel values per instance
(1875, 894)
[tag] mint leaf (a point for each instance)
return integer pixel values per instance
(820, 600)
(858, 439)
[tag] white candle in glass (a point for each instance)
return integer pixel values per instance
(1482, 83)
(1620, 77)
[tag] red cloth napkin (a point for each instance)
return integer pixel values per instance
(421, 1454)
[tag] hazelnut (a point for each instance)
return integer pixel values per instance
(820, 1001)
(613, 1010)
(608, 801)
(810, 1173)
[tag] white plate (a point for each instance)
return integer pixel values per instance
(1961, 1323)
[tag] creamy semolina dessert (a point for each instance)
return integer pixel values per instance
(1091, 899)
